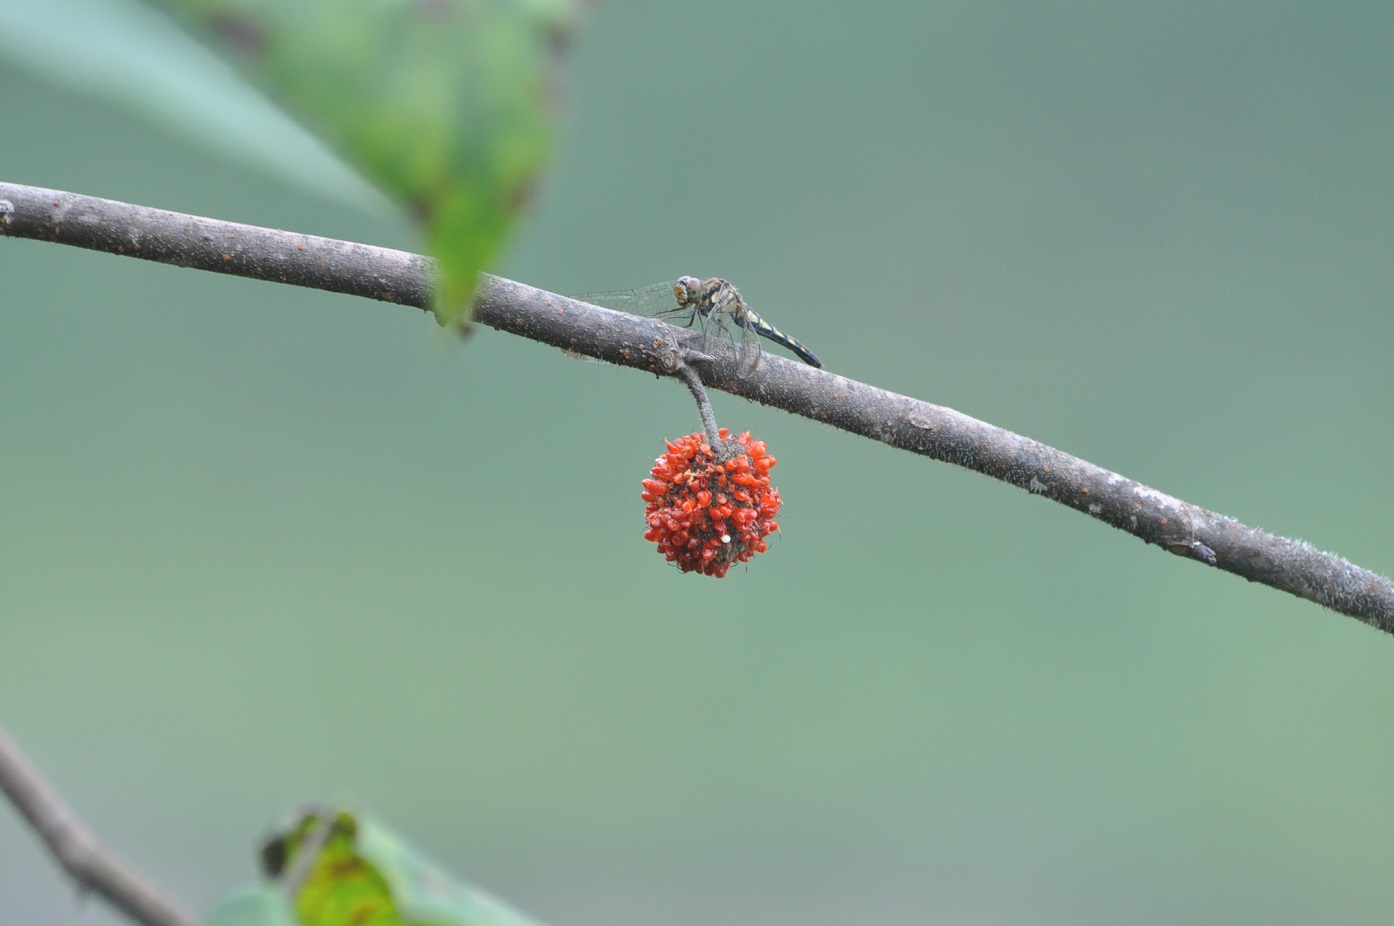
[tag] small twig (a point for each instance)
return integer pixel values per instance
(647, 344)
(76, 850)
(704, 404)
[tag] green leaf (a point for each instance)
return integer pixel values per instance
(347, 870)
(448, 104)
(126, 54)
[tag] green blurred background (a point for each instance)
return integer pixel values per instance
(260, 545)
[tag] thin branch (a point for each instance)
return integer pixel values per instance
(209, 244)
(76, 850)
(647, 344)
(693, 382)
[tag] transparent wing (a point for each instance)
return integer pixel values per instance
(750, 349)
(646, 300)
(655, 299)
(722, 326)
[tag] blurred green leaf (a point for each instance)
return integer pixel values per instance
(125, 53)
(448, 104)
(358, 873)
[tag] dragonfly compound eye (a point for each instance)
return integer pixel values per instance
(686, 290)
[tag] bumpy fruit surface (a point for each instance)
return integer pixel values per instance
(708, 508)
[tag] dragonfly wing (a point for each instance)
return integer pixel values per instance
(721, 326)
(749, 357)
(646, 300)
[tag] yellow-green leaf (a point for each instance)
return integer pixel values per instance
(343, 869)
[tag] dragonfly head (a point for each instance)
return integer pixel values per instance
(687, 290)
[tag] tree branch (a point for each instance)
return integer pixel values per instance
(76, 850)
(647, 344)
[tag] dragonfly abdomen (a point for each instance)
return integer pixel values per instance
(765, 329)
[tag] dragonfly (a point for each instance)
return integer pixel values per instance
(715, 305)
